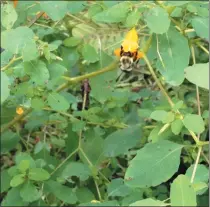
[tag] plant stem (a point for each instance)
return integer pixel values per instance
(206, 158)
(64, 161)
(93, 74)
(60, 88)
(203, 48)
(14, 59)
(15, 120)
(98, 191)
(197, 89)
(196, 164)
(157, 81)
(166, 95)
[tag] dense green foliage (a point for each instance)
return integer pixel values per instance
(139, 143)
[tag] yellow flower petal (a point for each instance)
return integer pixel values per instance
(130, 42)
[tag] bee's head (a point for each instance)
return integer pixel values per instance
(126, 63)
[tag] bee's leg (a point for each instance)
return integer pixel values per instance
(120, 77)
(137, 70)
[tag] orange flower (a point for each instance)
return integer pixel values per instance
(130, 44)
(19, 110)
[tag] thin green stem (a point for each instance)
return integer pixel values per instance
(157, 81)
(13, 60)
(202, 47)
(15, 120)
(60, 88)
(64, 161)
(93, 74)
(197, 89)
(85, 156)
(166, 94)
(97, 189)
(196, 164)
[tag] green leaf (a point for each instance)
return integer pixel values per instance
(132, 19)
(136, 195)
(115, 14)
(5, 57)
(9, 141)
(84, 195)
(70, 57)
(194, 123)
(157, 20)
(89, 54)
(144, 113)
(8, 15)
(176, 3)
(38, 71)
(148, 202)
(24, 165)
(94, 9)
(156, 136)
(24, 156)
(182, 192)
(118, 188)
(62, 192)
(71, 41)
(170, 44)
(169, 117)
(176, 126)
(201, 175)
(200, 187)
(5, 180)
(199, 8)
(5, 91)
(178, 105)
(72, 140)
(38, 174)
(56, 10)
(155, 162)
(17, 180)
(37, 103)
(30, 51)
(76, 169)
(94, 154)
(21, 36)
(119, 142)
(13, 198)
(56, 71)
(158, 115)
(29, 193)
(201, 26)
(75, 7)
(57, 102)
(198, 74)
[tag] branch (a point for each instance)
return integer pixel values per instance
(60, 88)
(202, 47)
(14, 59)
(90, 75)
(196, 164)
(157, 81)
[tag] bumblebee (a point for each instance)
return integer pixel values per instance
(128, 53)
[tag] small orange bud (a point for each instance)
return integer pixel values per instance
(19, 110)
